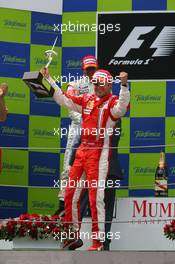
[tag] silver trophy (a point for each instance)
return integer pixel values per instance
(36, 81)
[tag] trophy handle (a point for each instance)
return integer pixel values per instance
(49, 62)
(50, 54)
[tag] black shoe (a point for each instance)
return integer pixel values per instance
(60, 210)
(106, 246)
(73, 244)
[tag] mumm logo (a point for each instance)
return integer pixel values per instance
(150, 209)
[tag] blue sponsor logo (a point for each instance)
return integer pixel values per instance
(40, 27)
(147, 132)
(172, 171)
(170, 158)
(43, 29)
(14, 59)
(170, 102)
(43, 106)
(13, 201)
(4, 203)
(173, 98)
(14, 132)
(73, 64)
(43, 168)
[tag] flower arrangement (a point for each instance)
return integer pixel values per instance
(169, 230)
(34, 226)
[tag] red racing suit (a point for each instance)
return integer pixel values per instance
(92, 157)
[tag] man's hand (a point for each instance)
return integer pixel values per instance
(3, 108)
(3, 89)
(124, 78)
(45, 72)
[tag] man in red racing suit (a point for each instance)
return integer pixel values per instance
(99, 114)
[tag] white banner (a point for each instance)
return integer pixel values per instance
(145, 231)
(50, 6)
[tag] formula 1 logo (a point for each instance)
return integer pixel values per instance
(144, 46)
(162, 46)
(164, 43)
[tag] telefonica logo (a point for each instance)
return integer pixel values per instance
(141, 170)
(43, 170)
(13, 59)
(44, 99)
(42, 133)
(173, 98)
(5, 130)
(10, 203)
(147, 134)
(41, 61)
(148, 99)
(16, 95)
(73, 64)
(12, 167)
(172, 133)
(42, 204)
(44, 27)
(14, 24)
(172, 171)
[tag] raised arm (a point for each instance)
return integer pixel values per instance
(120, 107)
(72, 90)
(71, 102)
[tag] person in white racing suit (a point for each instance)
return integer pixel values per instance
(82, 86)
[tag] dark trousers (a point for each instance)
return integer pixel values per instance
(109, 208)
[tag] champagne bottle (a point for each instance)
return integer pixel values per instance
(161, 178)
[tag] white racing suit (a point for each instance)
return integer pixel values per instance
(82, 86)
